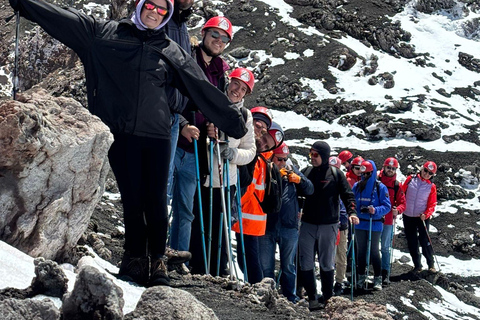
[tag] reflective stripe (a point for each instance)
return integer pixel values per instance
(256, 217)
(259, 186)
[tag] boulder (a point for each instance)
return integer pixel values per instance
(53, 167)
(169, 303)
(15, 309)
(49, 279)
(94, 296)
(342, 308)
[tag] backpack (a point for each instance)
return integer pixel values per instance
(272, 201)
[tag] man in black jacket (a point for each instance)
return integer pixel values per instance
(129, 65)
(320, 223)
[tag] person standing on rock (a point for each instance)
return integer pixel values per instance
(129, 64)
(282, 226)
(373, 203)
(217, 32)
(320, 223)
(388, 176)
(421, 200)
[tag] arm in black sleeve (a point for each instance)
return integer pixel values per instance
(306, 186)
(346, 194)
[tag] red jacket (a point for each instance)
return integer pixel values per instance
(396, 201)
(352, 178)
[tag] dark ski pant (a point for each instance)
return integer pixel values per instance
(140, 165)
(361, 239)
(252, 257)
(415, 232)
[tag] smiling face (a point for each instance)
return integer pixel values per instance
(236, 90)
(150, 18)
(214, 46)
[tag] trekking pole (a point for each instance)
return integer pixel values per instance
(430, 240)
(354, 271)
(210, 206)
(15, 70)
(199, 192)
(240, 223)
(391, 250)
(368, 251)
(226, 172)
(224, 209)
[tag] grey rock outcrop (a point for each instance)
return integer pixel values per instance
(53, 167)
(169, 303)
(15, 309)
(342, 308)
(49, 278)
(94, 296)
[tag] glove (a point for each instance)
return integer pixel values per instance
(283, 172)
(227, 153)
(293, 177)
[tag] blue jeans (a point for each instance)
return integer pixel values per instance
(175, 130)
(184, 187)
(385, 249)
(287, 239)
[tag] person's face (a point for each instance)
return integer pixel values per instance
(356, 170)
(426, 174)
(153, 13)
(389, 171)
(280, 160)
(346, 164)
(183, 4)
(259, 127)
(315, 158)
(214, 40)
(264, 142)
(236, 90)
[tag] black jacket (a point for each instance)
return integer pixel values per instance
(323, 207)
(128, 70)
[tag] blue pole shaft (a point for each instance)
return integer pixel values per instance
(368, 251)
(354, 271)
(210, 208)
(240, 222)
(202, 230)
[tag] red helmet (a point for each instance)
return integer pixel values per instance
(431, 166)
(335, 162)
(220, 23)
(392, 162)
(345, 155)
(263, 114)
(244, 75)
(277, 134)
(283, 149)
(366, 166)
(357, 161)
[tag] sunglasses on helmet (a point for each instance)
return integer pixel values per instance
(152, 6)
(215, 35)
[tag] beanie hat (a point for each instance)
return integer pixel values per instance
(262, 117)
(323, 150)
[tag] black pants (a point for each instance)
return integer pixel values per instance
(252, 257)
(361, 238)
(140, 165)
(415, 233)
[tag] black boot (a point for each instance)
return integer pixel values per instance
(385, 277)
(327, 278)
(134, 269)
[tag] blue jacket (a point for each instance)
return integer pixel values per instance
(287, 217)
(370, 196)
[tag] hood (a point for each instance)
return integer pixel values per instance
(138, 10)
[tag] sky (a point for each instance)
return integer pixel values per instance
(441, 35)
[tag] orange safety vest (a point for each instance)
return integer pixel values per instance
(253, 218)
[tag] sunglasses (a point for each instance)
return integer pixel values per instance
(390, 168)
(366, 174)
(356, 167)
(215, 35)
(152, 6)
(313, 154)
(281, 159)
(427, 171)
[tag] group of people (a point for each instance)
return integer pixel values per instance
(182, 136)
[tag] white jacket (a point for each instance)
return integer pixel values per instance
(244, 151)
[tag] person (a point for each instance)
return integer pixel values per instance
(176, 29)
(341, 251)
(320, 223)
(353, 174)
(372, 204)
(254, 218)
(238, 152)
(129, 65)
(193, 125)
(282, 226)
(388, 176)
(346, 158)
(421, 200)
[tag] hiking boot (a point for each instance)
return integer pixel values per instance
(181, 268)
(337, 289)
(134, 269)
(417, 270)
(158, 273)
(361, 281)
(316, 304)
(377, 283)
(385, 277)
(177, 257)
(432, 270)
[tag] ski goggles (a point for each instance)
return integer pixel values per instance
(215, 35)
(152, 6)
